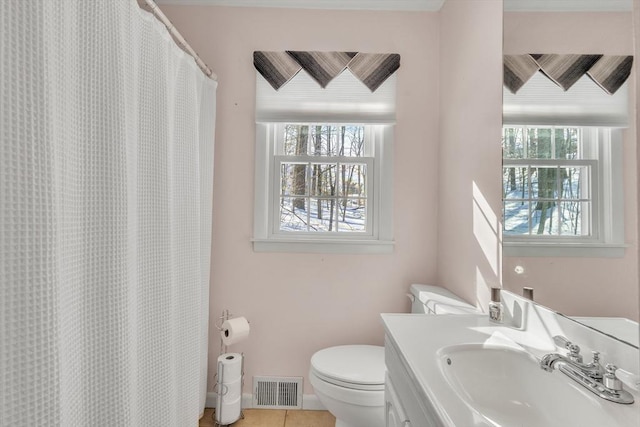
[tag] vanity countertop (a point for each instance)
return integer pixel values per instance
(422, 343)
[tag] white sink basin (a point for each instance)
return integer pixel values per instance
(466, 371)
(506, 387)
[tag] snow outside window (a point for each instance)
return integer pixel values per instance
(562, 191)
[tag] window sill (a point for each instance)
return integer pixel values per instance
(544, 249)
(323, 246)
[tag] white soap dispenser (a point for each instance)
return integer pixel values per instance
(495, 306)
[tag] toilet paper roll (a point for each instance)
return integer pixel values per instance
(234, 330)
(229, 367)
(229, 388)
(230, 392)
(228, 412)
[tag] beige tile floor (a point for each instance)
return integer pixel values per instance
(275, 418)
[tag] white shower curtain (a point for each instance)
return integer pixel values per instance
(106, 168)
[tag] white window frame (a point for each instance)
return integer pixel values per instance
(379, 236)
(607, 239)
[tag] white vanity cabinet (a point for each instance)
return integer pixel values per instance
(405, 406)
(395, 415)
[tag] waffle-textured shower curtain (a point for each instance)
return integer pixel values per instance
(106, 146)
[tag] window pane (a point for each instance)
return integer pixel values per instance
(323, 179)
(539, 143)
(353, 178)
(515, 182)
(332, 140)
(516, 218)
(296, 140)
(352, 141)
(322, 215)
(574, 182)
(543, 218)
(322, 140)
(574, 221)
(513, 143)
(293, 213)
(293, 179)
(352, 215)
(566, 142)
(544, 184)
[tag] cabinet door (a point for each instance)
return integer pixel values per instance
(395, 414)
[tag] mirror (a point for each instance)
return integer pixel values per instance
(623, 330)
(599, 285)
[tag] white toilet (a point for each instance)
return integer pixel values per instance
(349, 379)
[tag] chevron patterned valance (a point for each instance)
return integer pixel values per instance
(372, 69)
(607, 71)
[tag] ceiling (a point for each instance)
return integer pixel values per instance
(419, 5)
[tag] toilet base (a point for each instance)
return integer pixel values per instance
(357, 415)
(340, 423)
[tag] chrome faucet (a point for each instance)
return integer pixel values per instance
(574, 358)
(592, 376)
(592, 370)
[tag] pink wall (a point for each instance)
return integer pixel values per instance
(300, 303)
(581, 286)
(447, 160)
(469, 204)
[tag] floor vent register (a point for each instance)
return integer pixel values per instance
(277, 392)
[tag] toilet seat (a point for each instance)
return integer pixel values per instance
(358, 367)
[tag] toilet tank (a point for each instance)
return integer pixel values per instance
(430, 299)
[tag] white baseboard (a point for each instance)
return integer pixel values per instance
(210, 401)
(309, 401)
(212, 398)
(312, 403)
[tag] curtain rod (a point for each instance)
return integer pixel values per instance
(179, 39)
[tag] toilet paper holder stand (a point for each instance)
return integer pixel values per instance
(219, 326)
(223, 318)
(220, 387)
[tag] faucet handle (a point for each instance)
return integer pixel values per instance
(574, 350)
(561, 341)
(610, 380)
(574, 353)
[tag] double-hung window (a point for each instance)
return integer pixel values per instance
(562, 180)
(323, 188)
(323, 180)
(324, 166)
(550, 182)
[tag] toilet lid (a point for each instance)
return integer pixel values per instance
(354, 366)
